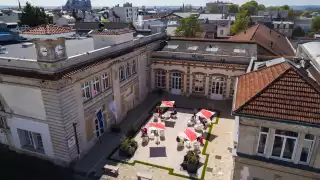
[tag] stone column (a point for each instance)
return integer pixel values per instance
(228, 88)
(167, 81)
(270, 142)
(116, 91)
(185, 84)
(206, 85)
(141, 63)
(153, 79)
(190, 84)
(299, 147)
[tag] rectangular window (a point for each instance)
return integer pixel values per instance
(239, 51)
(284, 144)
(105, 81)
(212, 49)
(121, 73)
(134, 67)
(306, 149)
(128, 70)
(3, 122)
(221, 32)
(31, 141)
(161, 79)
(263, 138)
(96, 86)
(86, 91)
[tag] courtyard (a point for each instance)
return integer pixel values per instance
(165, 152)
(217, 153)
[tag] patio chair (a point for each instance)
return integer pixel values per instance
(196, 146)
(188, 144)
(161, 133)
(180, 144)
(190, 123)
(145, 139)
(198, 127)
(151, 136)
(155, 117)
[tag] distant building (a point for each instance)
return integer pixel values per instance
(260, 19)
(215, 25)
(10, 16)
(304, 22)
(126, 14)
(283, 27)
(269, 41)
(222, 7)
(64, 20)
(275, 15)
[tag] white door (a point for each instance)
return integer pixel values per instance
(3, 137)
(218, 86)
(176, 83)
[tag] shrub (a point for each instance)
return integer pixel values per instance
(128, 147)
(132, 131)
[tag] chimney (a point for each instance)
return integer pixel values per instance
(271, 44)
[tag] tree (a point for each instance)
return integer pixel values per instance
(252, 7)
(33, 16)
(284, 8)
(298, 32)
(306, 14)
(315, 25)
(233, 8)
(188, 26)
(213, 10)
(261, 7)
(241, 23)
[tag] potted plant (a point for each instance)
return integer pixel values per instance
(192, 160)
(128, 147)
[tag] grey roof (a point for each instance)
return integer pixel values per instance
(185, 14)
(74, 47)
(210, 16)
(222, 48)
(95, 25)
(274, 14)
(258, 65)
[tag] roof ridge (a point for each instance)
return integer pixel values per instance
(265, 87)
(256, 28)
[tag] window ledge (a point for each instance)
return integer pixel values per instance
(30, 149)
(97, 95)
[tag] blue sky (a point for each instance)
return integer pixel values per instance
(158, 2)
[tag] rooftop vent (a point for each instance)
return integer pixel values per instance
(3, 50)
(26, 45)
(261, 65)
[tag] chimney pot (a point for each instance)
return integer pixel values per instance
(271, 44)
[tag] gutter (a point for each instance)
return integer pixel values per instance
(295, 52)
(287, 121)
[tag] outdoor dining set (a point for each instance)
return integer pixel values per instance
(191, 135)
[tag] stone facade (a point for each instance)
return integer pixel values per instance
(251, 164)
(71, 104)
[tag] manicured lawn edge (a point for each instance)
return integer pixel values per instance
(171, 170)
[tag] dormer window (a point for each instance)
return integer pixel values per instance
(239, 51)
(212, 49)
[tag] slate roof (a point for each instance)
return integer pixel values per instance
(47, 30)
(264, 36)
(281, 91)
(111, 31)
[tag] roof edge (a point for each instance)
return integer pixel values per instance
(287, 121)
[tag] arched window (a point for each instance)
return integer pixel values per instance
(218, 85)
(121, 73)
(128, 70)
(199, 83)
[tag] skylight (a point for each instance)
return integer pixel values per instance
(172, 46)
(212, 49)
(193, 48)
(239, 50)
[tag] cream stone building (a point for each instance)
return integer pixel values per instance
(200, 67)
(277, 124)
(59, 96)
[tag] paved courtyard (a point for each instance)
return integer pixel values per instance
(220, 164)
(166, 153)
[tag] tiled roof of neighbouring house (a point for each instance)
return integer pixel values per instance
(267, 38)
(47, 30)
(281, 91)
(111, 31)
